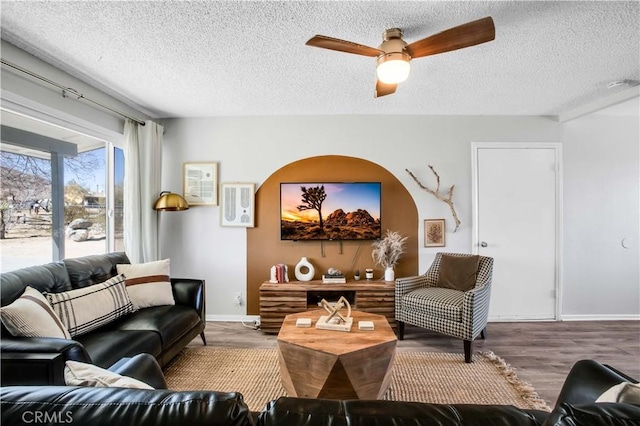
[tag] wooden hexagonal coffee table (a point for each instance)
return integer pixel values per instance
(336, 364)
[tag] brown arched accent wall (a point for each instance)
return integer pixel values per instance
(265, 249)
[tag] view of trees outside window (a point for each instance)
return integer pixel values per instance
(25, 214)
(26, 201)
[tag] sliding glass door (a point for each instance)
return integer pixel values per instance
(61, 194)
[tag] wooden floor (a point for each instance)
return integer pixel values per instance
(542, 353)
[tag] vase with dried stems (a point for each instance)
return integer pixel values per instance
(387, 251)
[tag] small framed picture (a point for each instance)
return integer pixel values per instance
(237, 202)
(200, 184)
(434, 232)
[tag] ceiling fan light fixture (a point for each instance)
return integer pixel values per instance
(394, 54)
(393, 67)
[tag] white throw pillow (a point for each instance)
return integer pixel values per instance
(91, 307)
(625, 392)
(82, 374)
(30, 315)
(148, 283)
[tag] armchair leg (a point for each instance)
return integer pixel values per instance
(203, 338)
(400, 330)
(483, 333)
(467, 351)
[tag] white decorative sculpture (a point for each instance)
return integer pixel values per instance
(447, 199)
(311, 271)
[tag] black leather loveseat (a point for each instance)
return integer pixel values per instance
(162, 331)
(108, 406)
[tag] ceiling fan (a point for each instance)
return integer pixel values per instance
(394, 54)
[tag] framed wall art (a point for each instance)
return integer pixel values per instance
(434, 232)
(200, 184)
(237, 202)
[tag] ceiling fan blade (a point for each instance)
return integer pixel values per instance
(465, 35)
(383, 89)
(331, 43)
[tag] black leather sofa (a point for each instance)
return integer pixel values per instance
(162, 331)
(108, 406)
(121, 406)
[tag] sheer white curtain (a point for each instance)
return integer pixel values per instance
(142, 174)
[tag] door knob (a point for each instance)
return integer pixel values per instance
(483, 244)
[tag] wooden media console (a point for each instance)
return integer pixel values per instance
(280, 300)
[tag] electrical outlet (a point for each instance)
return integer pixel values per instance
(256, 323)
(237, 298)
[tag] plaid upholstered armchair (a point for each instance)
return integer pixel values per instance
(451, 298)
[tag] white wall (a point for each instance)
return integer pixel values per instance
(249, 149)
(601, 208)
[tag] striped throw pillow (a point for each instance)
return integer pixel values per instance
(148, 283)
(91, 307)
(30, 315)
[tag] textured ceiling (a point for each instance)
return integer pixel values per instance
(190, 59)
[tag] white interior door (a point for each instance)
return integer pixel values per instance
(516, 206)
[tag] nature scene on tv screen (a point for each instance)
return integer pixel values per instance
(330, 211)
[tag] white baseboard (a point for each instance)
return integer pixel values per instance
(521, 319)
(610, 317)
(233, 318)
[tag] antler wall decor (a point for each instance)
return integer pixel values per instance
(447, 199)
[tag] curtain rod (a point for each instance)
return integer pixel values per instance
(67, 90)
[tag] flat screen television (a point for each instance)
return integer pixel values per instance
(330, 211)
